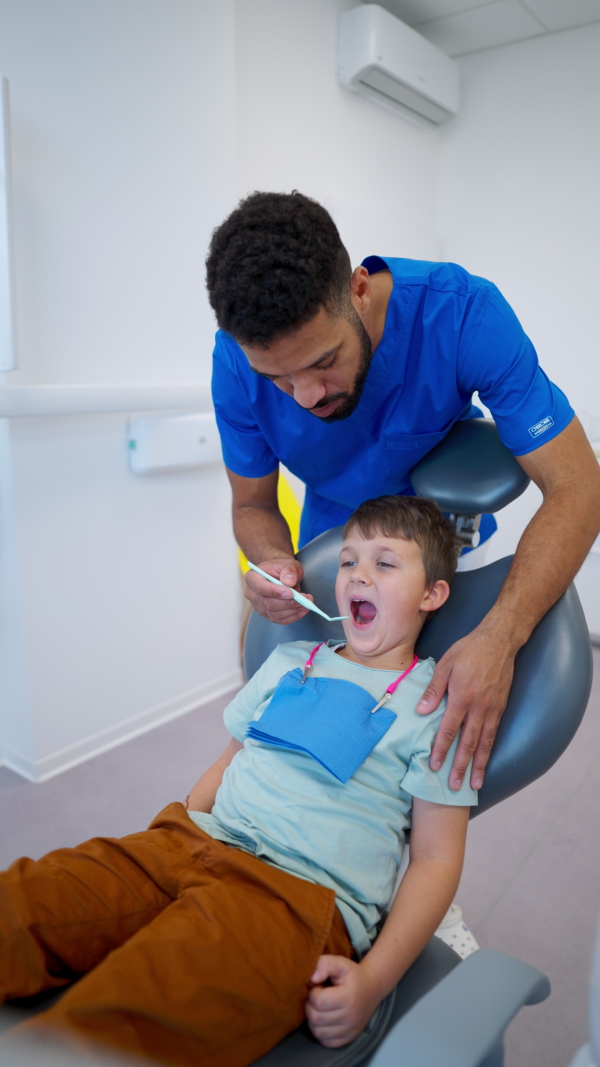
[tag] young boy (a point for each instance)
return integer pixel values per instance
(211, 935)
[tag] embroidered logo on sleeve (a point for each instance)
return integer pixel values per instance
(541, 427)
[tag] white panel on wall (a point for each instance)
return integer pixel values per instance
(164, 443)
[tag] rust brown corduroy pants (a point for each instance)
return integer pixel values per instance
(191, 952)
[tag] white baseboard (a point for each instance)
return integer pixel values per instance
(43, 769)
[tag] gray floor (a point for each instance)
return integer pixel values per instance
(531, 884)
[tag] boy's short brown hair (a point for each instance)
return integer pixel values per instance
(414, 519)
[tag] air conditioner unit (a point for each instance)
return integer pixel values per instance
(392, 65)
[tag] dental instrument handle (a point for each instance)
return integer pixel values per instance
(264, 574)
(304, 601)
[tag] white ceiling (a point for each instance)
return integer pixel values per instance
(459, 26)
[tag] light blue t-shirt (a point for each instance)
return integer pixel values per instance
(284, 807)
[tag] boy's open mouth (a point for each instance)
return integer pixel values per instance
(363, 611)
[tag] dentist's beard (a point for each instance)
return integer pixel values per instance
(351, 400)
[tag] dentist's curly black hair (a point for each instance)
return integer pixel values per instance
(272, 264)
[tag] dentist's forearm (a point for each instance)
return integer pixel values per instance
(260, 529)
(550, 552)
(262, 534)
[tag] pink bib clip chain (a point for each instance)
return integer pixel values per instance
(309, 662)
(394, 685)
(390, 689)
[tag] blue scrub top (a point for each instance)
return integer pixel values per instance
(448, 334)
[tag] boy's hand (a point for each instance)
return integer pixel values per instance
(338, 1013)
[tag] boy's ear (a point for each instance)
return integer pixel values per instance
(436, 596)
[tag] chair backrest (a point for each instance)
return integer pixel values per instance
(553, 671)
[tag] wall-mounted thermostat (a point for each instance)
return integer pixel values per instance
(173, 442)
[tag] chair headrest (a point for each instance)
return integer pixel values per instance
(553, 671)
(470, 471)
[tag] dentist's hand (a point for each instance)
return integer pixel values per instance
(477, 673)
(339, 1012)
(271, 601)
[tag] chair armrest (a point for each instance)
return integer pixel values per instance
(584, 1058)
(461, 1020)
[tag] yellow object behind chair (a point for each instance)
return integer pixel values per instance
(291, 510)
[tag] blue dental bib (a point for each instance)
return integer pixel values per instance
(330, 719)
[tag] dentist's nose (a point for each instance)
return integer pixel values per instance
(307, 392)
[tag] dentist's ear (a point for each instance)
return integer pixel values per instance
(436, 596)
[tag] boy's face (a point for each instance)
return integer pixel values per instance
(381, 586)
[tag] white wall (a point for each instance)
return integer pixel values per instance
(120, 602)
(518, 203)
(298, 129)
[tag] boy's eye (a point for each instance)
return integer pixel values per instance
(383, 563)
(347, 563)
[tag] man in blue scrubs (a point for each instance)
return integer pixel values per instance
(348, 378)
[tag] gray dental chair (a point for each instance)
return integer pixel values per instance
(438, 1016)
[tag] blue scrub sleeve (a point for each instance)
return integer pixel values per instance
(245, 450)
(500, 363)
